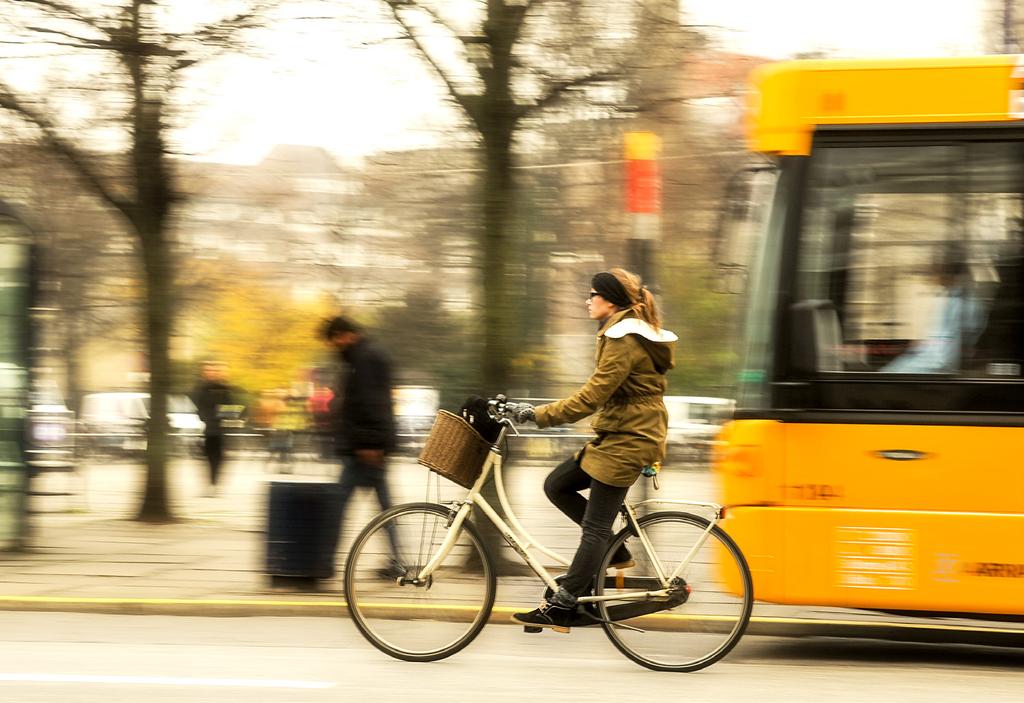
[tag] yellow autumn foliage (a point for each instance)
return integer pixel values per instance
(267, 336)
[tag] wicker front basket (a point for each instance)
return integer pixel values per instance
(454, 449)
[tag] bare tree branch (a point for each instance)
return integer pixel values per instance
(558, 90)
(40, 56)
(64, 8)
(184, 63)
(519, 14)
(76, 41)
(436, 17)
(81, 162)
(219, 37)
(226, 29)
(466, 102)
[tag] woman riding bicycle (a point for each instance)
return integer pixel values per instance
(625, 396)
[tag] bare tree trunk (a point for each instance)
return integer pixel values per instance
(499, 308)
(155, 504)
(497, 123)
(73, 292)
(153, 198)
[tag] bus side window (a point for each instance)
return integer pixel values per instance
(999, 350)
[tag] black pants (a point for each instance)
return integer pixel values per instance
(213, 449)
(596, 516)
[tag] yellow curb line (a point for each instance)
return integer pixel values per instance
(66, 600)
(69, 600)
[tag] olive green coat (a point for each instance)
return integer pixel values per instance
(625, 396)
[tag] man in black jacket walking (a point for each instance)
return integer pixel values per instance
(364, 421)
(213, 399)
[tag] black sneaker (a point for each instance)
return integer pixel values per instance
(622, 559)
(556, 617)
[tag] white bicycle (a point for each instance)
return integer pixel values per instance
(682, 607)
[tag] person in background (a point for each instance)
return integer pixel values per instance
(215, 403)
(958, 319)
(364, 422)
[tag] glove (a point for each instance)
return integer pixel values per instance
(520, 412)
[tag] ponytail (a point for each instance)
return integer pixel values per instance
(642, 300)
(647, 309)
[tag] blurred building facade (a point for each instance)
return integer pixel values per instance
(401, 230)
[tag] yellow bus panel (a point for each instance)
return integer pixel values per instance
(790, 99)
(893, 560)
(904, 467)
(878, 516)
(749, 459)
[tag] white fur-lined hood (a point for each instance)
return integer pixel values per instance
(633, 325)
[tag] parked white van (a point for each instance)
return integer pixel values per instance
(116, 422)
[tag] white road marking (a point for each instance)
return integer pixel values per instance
(163, 681)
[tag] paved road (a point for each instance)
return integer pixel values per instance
(84, 658)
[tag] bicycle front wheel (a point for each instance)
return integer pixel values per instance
(402, 615)
(710, 603)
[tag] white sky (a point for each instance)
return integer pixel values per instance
(354, 101)
(847, 28)
(319, 90)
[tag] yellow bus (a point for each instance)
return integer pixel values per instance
(876, 455)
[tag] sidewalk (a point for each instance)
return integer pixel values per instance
(87, 554)
(95, 558)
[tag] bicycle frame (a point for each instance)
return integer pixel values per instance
(521, 541)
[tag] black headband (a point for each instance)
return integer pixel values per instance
(611, 289)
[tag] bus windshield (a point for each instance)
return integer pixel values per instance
(918, 250)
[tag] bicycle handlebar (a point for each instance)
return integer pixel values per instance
(504, 412)
(497, 406)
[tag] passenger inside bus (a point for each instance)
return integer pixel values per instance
(957, 321)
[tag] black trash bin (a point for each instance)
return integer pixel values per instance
(302, 524)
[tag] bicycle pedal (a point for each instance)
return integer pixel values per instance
(531, 629)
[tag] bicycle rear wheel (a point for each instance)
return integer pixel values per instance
(411, 620)
(712, 602)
